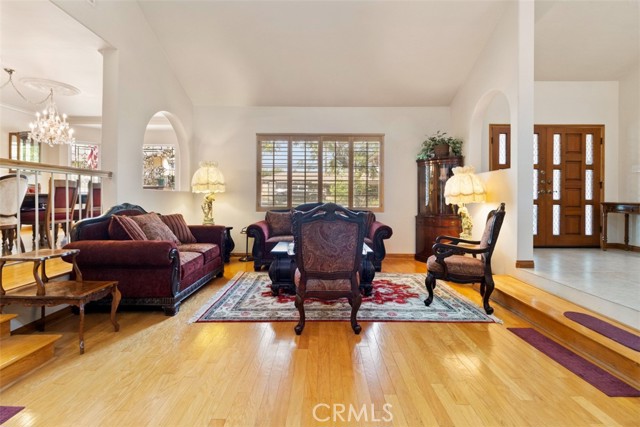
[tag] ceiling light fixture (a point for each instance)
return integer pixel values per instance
(50, 127)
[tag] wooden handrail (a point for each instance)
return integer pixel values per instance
(43, 167)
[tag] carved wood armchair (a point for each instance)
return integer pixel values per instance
(328, 250)
(450, 263)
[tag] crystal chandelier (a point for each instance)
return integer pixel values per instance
(50, 128)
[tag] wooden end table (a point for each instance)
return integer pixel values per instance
(74, 292)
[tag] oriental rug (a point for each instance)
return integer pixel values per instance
(395, 298)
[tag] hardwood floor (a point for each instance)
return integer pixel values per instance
(164, 371)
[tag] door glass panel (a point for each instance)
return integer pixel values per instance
(535, 184)
(556, 184)
(588, 188)
(556, 220)
(535, 220)
(589, 150)
(588, 220)
(502, 149)
(556, 149)
(535, 148)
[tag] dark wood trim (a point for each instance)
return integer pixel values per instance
(623, 247)
(524, 263)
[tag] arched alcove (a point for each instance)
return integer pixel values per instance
(165, 153)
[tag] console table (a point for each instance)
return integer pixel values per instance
(49, 293)
(622, 208)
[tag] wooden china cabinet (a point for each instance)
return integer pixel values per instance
(434, 217)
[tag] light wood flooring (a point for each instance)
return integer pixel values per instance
(165, 371)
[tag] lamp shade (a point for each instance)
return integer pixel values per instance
(464, 187)
(208, 179)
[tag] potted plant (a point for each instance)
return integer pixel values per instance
(439, 145)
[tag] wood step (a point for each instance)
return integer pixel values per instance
(20, 354)
(546, 311)
(5, 324)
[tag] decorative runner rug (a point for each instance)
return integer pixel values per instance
(606, 329)
(594, 375)
(395, 298)
(7, 412)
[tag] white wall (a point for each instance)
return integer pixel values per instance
(228, 136)
(629, 145)
(138, 83)
(504, 68)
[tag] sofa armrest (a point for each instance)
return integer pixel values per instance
(259, 230)
(135, 253)
(377, 233)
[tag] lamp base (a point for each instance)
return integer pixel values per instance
(467, 224)
(207, 209)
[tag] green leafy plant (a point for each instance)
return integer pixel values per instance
(427, 149)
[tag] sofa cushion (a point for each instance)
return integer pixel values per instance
(209, 250)
(190, 262)
(124, 228)
(277, 239)
(279, 223)
(154, 228)
(179, 227)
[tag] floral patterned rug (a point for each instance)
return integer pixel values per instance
(395, 298)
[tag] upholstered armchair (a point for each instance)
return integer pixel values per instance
(319, 235)
(450, 262)
(12, 192)
(276, 227)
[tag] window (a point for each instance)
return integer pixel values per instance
(159, 167)
(297, 169)
(85, 156)
(499, 147)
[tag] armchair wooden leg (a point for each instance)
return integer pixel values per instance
(300, 306)
(486, 288)
(429, 283)
(355, 302)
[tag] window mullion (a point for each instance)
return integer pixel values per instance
(320, 169)
(351, 183)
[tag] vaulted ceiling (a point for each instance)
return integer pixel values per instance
(317, 53)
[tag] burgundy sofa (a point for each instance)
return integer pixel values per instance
(149, 272)
(274, 228)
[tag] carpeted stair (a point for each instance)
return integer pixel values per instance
(552, 316)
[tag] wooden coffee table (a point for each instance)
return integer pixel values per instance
(283, 268)
(49, 293)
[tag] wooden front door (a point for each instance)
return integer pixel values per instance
(567, 185)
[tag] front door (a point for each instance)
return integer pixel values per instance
(567, 185)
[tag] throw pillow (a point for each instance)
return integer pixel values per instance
(279, 223)
(124, 228)
(179, 227)
(154, 228)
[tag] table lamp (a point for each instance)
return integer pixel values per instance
(464, 187)
(209, 180)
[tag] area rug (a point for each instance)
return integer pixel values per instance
(594, 375)
(606, 329)
(395, 298)
(7, 412)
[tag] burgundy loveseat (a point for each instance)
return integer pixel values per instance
(149, 272)
(276, 227)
